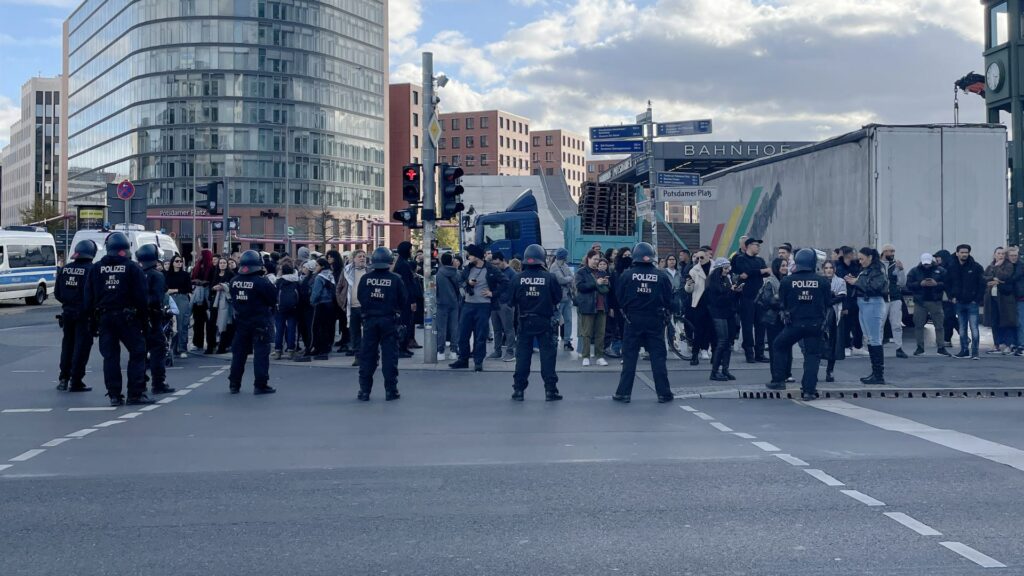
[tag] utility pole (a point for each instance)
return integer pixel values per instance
(649, 149)
(227, 230)
(287, 194)
(429, 209)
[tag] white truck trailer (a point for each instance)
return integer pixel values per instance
(920, 188)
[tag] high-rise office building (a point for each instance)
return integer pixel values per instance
(31, 159)
(282, 101)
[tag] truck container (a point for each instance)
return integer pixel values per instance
(921, 188)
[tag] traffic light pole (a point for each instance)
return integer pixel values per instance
(429, 209)
(227, 227)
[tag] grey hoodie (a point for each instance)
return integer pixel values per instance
(448, 287)
(564, 275)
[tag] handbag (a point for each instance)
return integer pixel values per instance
(200, 295)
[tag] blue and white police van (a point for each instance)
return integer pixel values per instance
(28, 264)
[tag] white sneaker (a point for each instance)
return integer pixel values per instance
(440, 356)
(705, 355)
(182, 355)
(586, 361)
(451, 356)
(602, 362)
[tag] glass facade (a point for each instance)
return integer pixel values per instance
(274, 98)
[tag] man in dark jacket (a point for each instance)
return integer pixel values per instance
(502, 321)
(967, 291)
(404, 269)
(752, 270)
(482, 283)
(927, 282)
(75, 318)
(449, 301)
(848, 265)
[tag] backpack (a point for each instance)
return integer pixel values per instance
(287, 295)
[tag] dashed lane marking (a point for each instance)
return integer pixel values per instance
(166, 400)
(703, 416)
(791, 459)
(821, 475)
(25, 410)
(689, 408)
(206, 379)
(745, 436)
(28, 455)
(194, 386)
(131, 415)
(863, 498)
(149, 408)
(182, 392)
(5, 467)
(82, 433)
(94, 409)
(915, 525)
(721, 427)
(973, 555)
(56, 442)
(766, 446)
(27, 371)
(108, 423)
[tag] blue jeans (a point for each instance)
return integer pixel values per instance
(474, 322)
(184, 317)
(286, 327)
(968, 313)
(872, 318)
(1020, 324)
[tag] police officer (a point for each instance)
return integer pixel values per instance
(383, 298)
(74, 318)
(535, 298)
(254, 299)
(805, 297)
(117, 295)
(645, 299)
(153, 315)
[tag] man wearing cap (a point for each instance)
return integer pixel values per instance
(893, 269)
(927, 282)
(481, 283)
(751, 270)
(564, 275)
(501, 313)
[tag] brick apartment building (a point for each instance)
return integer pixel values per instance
(405, 129)
(488, 142)
(596, 167)
(560, 150)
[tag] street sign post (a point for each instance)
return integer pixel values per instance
(218, 225)
(675, 179)
(685, 194)
(126, 191)
(434, 130)
(684, 128)
(291, 231)
(616, 132)
(643, 167)
(617, 147)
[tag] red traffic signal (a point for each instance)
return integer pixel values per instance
(411, 177)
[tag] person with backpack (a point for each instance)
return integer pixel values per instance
(287, 315)
(322, 302)
(304, 311)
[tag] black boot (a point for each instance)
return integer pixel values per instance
(62, 385)
(517, 395)
(695, 358)
(829, 377)
(877, 366)
(551, 396)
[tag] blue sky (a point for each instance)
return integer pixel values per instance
(762, 69)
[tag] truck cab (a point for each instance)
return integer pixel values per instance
(511, 231)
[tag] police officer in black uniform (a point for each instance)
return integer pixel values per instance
(75, 319)
(535, 298)
(383, 297)
(645, 299)
(253, 298)
(117, 295)
(805, 297)
(156, 291)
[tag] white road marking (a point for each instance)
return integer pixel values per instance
(25, 410)
(108, 423)
(194, 386)
(863, 498)
(721, 427)
(5, 467)
(949, 438)
(166, 400)
(703, 416)
(27, 371)
(689, 408)
(94, 409)
(745, 436)
(56, 442)
(766, 446)
(821, 475)
(973, 555)
(205, 380)
(182, 392)
(791, 459)
(27, 455)
(149, 408)
(82, 433)
(919, 527)
(131, 415)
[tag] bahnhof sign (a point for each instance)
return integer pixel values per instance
(701, 157)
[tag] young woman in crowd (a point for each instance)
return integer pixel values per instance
(202, 278)
(220, 326)
(698, 313)
(723, 300)
(1000, 313)
(591, 305)
(834, 320)
(286, 316)
(179, 288)
(870, 288)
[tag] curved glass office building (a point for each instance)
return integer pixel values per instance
(283, 101)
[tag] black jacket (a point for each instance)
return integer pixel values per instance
(497, 282)
(872, 282)
(720, 296)
(644, 290)
(752, 267)
(586, 291)
(966, 282)
(921, 293)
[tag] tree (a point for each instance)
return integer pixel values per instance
(43, 214)
(447, 238)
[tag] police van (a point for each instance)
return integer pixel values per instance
(137, 235)
(28, 264)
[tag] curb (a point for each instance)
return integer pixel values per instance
(857, 393)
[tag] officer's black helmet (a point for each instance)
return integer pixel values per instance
(84, 250)
(534, 255)
(117, 243)
(250, 263)
(806, 260)
(381, 258)
(147, 253)
(644, 252)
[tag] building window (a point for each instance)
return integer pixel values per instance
(470, 160)
(548, 156)
(415, 141)
(444, 159)
(999, 25)
(483, 159)
(456, 141)
(501, 122)
(536, 156)
(455, 123)
(485, 122)
(483, 141)
(469, 142)
(415, 119)
(549, 140)
(501, 141)
(536, 140)
(501, 159)
(469, 126)
(442, 143)
(415, 98)
(456, 160)
(550, 171)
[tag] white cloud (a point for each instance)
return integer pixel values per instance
(53, 3)
(9, 114)
(404, 20)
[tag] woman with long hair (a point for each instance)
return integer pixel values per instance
(202, 276)
(697, 313)
(870, 287)
(1000, 312)
(723, 300)
(675, 275)
(337, 264)
(220, 326)
(833, 319)
(592, 288)
(179, 288)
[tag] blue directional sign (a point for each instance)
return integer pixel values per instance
(643, 167)
(686, 128)
(675, 179)
(617, 147)
(616, 132)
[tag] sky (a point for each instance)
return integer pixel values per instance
(761, 69)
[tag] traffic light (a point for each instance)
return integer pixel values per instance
(411, 176)
(209, 195)
(451, 191)
(407, 216)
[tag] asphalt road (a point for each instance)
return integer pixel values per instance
(455, 479)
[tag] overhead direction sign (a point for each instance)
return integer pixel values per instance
(643, 167)
(617, 147)
(674, 179)
(684, 128)
(686, 193)
(616, 132)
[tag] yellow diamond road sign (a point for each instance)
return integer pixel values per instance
(434, 130)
